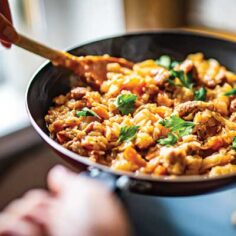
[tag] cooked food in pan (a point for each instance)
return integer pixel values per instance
(161, 117)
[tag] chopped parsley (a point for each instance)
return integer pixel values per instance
(185, 80)
(127, 133)
(231, 92)
(125, 103)
(166, 62)
(234, 143)
(87, 112)
(173, 64)
(200, 95)
(170, 140)
(178, 125)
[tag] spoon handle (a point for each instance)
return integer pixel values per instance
(38, 48)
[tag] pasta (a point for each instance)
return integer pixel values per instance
(161, 117)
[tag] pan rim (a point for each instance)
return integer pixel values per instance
(91, 164)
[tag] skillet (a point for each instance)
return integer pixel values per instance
(50, 81)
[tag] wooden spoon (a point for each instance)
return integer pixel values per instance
(91, 68)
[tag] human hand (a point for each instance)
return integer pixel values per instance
(7, 31)
(74, 206)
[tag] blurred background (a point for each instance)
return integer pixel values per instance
(64, 24)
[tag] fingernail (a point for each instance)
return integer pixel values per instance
(10, 34)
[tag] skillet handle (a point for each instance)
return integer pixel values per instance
(109, 180)
(119, 184)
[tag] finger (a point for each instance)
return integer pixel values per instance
(61, 179)
(39, 202)
(11, 225)
(6, 45)
(5, 9)
(7, 31)
(58, 177)
(33, 206)
(29, 200)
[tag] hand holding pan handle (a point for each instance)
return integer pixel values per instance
(73, 205)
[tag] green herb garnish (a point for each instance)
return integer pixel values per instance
(234, 143)
(125, 103)
(170, 140)
(173, 64)
(185, 80)
(178, 125)
(200, 95)
(166, 62)
(231, 92)
(87, 112)
(127, 133)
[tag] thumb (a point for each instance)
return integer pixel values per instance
(62, 180)
(57, 178)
